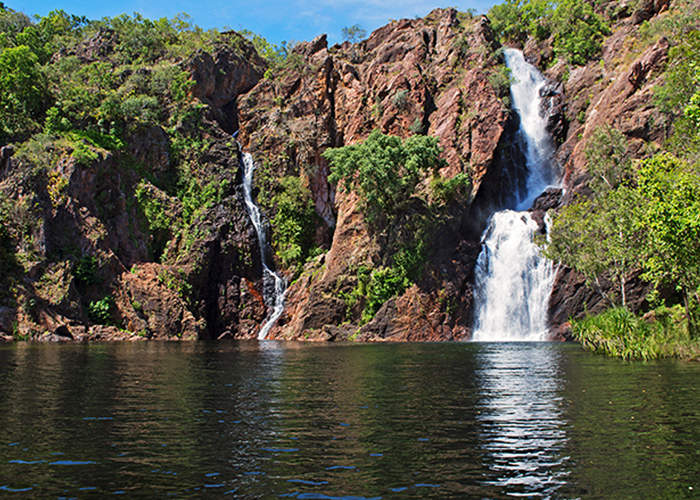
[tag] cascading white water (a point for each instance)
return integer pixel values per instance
(525, 95)
(275, 286)
(513, 280)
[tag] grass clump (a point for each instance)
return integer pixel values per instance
(661, 333)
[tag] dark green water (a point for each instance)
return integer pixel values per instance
(310, 421)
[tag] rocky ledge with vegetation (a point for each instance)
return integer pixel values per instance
(378, 162)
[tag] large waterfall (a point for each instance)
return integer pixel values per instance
(274, 285)
(513, 281)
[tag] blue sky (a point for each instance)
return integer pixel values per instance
(276, 20)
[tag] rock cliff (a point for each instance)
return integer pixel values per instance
(152, 239)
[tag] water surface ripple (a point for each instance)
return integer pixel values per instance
(344, 421)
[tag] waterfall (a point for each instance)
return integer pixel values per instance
(513, 280)
(274, 285)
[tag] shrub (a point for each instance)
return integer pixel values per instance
(400, 99)
(618, 332)
(100, 312)
(444, 191)
(85, 270)
(294, 224)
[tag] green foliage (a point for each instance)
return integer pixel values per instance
(273, 54)
(196, 198)
(500, 80)
(83, 154)
(354, 33)
(23, 90)
(383, 284)
(680, 96)
(513, 20)
(444, 191)
(155, 209)
(400, 99)
(85, 270)
(608, 164)
(578, 31)
(100, 311)
(599, 237)
(618, 332)
(384, 170)
(653, 226)
(294, 224)
(11, 23)
(671, 213)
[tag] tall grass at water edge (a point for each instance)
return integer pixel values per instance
(661, 333)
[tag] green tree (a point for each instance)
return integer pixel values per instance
(599, 237)
(607, 161)
(671, 214)
(680, 96)
(354, 33)
(578, 31)
(384, 170)
(514, 20)
(23, 89)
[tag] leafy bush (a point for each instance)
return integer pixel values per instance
(578, 31)
(384, 170)
(294, 224)
(444, 191)
(400, 99)
(100, 311)
(514, 20)
(85, 270)
(83, 154)
(143, 108)
(160, 222)
(23, 90)
(196, 198)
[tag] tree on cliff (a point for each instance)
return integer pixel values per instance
(670, 189)
(384, 170)
(600, 236)
(354, 33)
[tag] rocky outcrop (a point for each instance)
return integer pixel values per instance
(220, 76)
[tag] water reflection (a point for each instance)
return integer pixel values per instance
(409, 421)
(522, 428)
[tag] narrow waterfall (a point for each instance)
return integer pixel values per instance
(513, 281)
(274, 285)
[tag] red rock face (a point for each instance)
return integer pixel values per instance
(429, 76)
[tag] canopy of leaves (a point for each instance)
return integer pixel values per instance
(514, 20)
(384, 170)
(680, 96)
(23, 90)
(578, 30)
(671, 213)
